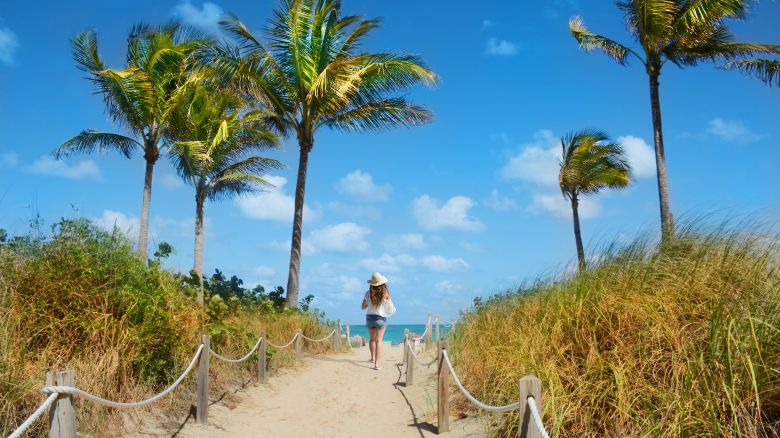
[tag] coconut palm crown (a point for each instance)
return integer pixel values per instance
(590, 162)
(138, 98)
(311, 73)
(683, 32)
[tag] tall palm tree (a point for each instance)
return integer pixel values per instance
(312, 74)
(684, 32)
(139, 97)
(216, 150)
(767, 70)
(590, 162)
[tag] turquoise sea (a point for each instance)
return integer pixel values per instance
(395, 332)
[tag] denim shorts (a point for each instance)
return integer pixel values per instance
(375, 321)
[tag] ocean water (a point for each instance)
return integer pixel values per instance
(395, 332)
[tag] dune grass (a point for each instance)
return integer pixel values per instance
(82, 299)
(682, 340)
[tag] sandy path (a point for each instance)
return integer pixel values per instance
(334, 396)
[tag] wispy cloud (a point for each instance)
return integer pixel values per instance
(46, 165)
(361, 186)
(405, 242)
(500, 203)
(453, 214)
(8, 160)
(439, 263)
(9, 42)
(731, 131)
(273, 204)
(487, 23)
(205, 18)
(499, 47)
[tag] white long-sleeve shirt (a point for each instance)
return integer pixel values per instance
(385, 308)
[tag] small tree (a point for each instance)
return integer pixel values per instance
(591, 162)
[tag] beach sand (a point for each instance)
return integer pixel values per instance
(335, 396)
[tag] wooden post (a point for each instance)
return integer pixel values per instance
(62, 417)
(530, 386)
(406, 346)
(336, 336)
(202, 404)
(261, 359)
(349, 340)
(444, 393)
(409, 365)
(438, 337)
(428, 338)
(299, 345)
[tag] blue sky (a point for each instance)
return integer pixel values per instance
(466, 206)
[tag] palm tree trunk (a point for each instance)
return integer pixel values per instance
(667, 220)
(143, 229)
(577, 234)
(198, 265)
(297, 232)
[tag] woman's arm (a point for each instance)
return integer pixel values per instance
(364, 304)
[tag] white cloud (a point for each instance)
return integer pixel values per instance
(9, 42)
(500, 203)
(448, 287)
(171, 182)
(205, 18)
(126, 224)
(388, 263)
(344, 237)
(454, 214)
(405, 242)
(487, 23)
(8, 160)
(496, 47)
(471, 247)
(46, 165)
(339, 288)
(360, 185)
(353, 211)
(641, 156)
(559, 206)
(273, 204)
(439, 263)
(538, 162)
(732, 131)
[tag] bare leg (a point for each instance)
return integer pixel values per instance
(378, 349)
(371, 337)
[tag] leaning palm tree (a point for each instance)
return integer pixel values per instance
(311, 74)
(766, 70)
(216, 151)
(138, 97)
(684, 32)
(590, 162)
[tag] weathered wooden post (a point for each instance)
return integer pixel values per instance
(438, 337)
(299, 344)
(443, 393)
(261, 358)
(349, 340)
(406, 346)
(62, 417)
(530, 386)
(409, 363)
(429, 331)
(337, 336)
(202, 404)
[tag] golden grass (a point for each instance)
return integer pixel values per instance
(678, 341)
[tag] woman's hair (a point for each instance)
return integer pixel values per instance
(377, 294)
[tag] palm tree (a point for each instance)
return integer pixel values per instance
(684, 32)
(311, 74)
(217, 140)
(138, 97)
(766, 70)
(590, 162)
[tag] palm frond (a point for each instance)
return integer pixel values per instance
(764, 69)
(379, 115)
(89, 141)
(695, 13)
(590, 41)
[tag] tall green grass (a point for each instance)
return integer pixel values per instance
(82, 299)
(675, 341)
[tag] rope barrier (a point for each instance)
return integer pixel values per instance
(54, 390)
(285, 345)
(537, 418)
(318, 340)
(215, 354)
(471, 398)
(31, 419)
(414, 355)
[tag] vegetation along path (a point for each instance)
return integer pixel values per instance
(335, 396)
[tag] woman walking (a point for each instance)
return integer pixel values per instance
(378, 306)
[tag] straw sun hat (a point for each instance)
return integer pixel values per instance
(377, 279)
